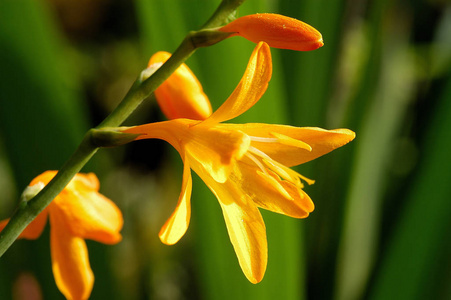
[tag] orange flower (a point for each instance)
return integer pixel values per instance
(79, 212)
(246, 166)
(181, 95)
(277, 31)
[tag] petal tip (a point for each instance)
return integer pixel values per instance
(166, 239)
(256, 278)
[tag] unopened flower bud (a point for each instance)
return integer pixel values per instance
(277, 31)
(181, 95)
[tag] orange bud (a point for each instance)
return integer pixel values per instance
(181, 95)
(277, 31)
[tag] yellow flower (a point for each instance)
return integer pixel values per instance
(277, 31)
(246, 166)
(181, 95)
(79, 212)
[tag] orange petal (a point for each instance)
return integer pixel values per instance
(44, 178)
(176, 226)
(252, 86)
(181, 95)
(87, 213)
(276, 30)
(320, 140)
(85, 181)
(34, 229)
(70, 261)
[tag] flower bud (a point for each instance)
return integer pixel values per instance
(181, 95)
(277, 31)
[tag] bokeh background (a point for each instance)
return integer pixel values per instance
(381, 225)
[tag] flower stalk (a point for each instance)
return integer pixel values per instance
(140, 90)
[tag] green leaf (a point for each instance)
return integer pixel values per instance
(419, 246)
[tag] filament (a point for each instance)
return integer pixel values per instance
(259, 164)
(263, 139)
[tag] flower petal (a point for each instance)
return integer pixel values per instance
(247, 233)
(210, 148)
(181, 95)
(44, 178)
(276, 30)
(273, 194)
(34, 229)
(177, 224)
(89, 214)
(70, 261)
(88, 181)
(321, 141)
(245, 226)
(172, 131)
(252, 86)
(215, 150)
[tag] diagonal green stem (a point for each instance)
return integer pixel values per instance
(27, 211)
(224, 13)
(140, 91)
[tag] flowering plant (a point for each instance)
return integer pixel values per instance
(246, 166)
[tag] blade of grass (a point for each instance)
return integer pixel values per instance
(378, 136)
(310, 84)
(419, 240)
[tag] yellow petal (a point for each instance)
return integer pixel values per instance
(34, 229)
(85, 181)
(215, 149)
(252, 86)
(274, 198)
(87, 213)
(181, 95)
(176, 226)
(245, 226)
(247, 233)
(321, 141)
(207, 147)
(70, 261)
(174, 131)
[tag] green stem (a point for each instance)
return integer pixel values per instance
(224, 13)
(141, 90)
(27, 211)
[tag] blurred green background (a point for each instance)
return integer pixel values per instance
(380, 229)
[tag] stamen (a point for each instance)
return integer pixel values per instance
(276, 184)
(282, 139)
(263, 139)
(255, 160)
(258, 152)
(308, 180)
(281, 169)
(289, 141)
